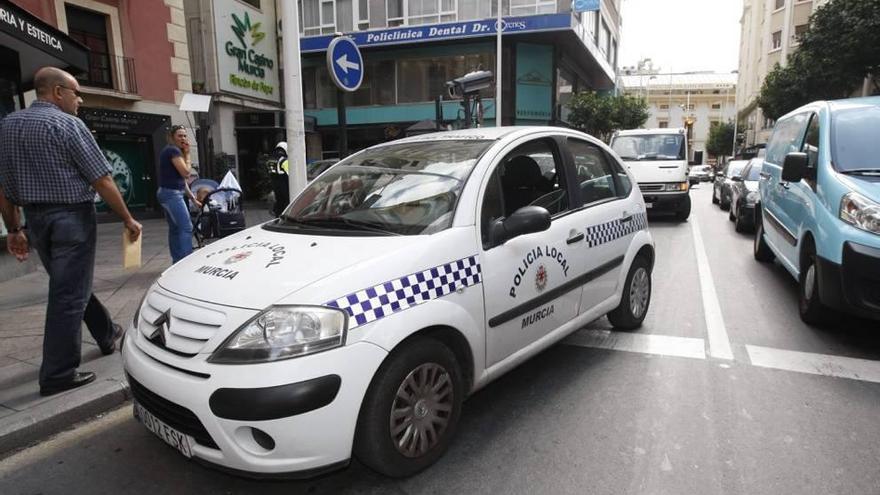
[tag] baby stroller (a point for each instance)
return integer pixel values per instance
(221, 213)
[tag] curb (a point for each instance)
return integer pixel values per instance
(25, 428)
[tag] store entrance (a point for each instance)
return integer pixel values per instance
(254, 148)
(10, 100)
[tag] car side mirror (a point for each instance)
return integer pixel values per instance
(526, 220)
(794, 168)
(736, 178)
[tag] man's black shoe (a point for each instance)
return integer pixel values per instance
(78, 380)
(118, 332)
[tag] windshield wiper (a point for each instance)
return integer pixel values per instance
(343, 224)
(873, 172)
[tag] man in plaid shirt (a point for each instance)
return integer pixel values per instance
(51, 165)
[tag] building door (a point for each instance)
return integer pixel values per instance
(132, 161)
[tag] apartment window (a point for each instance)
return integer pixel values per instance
(777, 40)
(532, 7)
(799, 32)
(318, 17)
(716, 106)
(254, 3)
(363, 15)
(476, 9)
(90, 29)
(779, 4)
(415, 12)
(604, 38)
(664, 106)
(663, 124)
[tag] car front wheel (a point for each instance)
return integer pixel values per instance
(633, 307)
(411, 409)
(811, 309)
(761, 250)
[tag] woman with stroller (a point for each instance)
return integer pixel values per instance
(174, 169)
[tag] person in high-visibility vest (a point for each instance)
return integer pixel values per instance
(278, 174)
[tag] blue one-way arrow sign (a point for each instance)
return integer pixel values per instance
(345, 63)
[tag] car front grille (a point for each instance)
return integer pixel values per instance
(651, 187)
(175, 416)
(177, 325)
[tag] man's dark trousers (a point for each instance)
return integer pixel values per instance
(65, 238)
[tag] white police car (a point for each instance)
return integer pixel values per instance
(401, 280)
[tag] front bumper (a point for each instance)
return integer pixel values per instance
(673, 201)
(854, 285)
(308, 406)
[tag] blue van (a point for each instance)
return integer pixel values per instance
(820, 205)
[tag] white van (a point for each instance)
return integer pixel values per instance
(658, 158)
(401, 280)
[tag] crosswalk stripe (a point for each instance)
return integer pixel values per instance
(816, 364)
(663, 345)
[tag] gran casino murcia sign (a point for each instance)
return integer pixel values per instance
(247, 51)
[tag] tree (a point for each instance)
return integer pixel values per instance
(720, 142)
(601, 115)
(840, 47)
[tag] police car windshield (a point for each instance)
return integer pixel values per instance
(403, 189)
(648, 147)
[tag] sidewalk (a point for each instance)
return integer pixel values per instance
(25, 416)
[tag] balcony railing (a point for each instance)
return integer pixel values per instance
(110, 72)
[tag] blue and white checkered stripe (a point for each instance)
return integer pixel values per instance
(379, 301)
(615, 229)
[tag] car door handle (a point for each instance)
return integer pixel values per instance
(626, 219)
(576, 238)
(764, 175)
(783, 185)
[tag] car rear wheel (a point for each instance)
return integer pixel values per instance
(730, 215)
(761, 250)
(811, 309)
(411, 409)
(739, 224)
(714, 196)
(629, 314)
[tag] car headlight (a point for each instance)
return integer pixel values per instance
(284, 332)
(752, 197)
(677, 186)
(860, 212)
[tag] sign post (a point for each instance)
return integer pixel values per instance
(346, 67)
(294, 117)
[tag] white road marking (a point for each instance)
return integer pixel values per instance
(816, 364)
(663, 345)
(719, 343)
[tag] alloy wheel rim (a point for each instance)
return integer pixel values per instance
(639, 292)
(421, 410)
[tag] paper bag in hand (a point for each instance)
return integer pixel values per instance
(131, 251)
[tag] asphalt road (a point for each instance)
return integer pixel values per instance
(722, 391)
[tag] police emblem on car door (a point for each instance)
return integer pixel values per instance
(522, 276)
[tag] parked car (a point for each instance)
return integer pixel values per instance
(699, 173)
(397, 283)
(744, 196)
(820, 206)
(657, 158)
(724, 181)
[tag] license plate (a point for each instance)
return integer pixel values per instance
(649, 205)
(169, 435)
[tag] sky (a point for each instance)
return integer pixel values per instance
(681, 35)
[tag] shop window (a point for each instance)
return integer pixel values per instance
(564, 89)
(310, 95)
(377, 87)
(423, 79)
(776, 41)
(90, 29)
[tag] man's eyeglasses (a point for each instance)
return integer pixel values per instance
(76, 92)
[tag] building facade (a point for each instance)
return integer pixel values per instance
(694, 101)
(132, 63)
(410, 50)
(770, 30)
